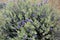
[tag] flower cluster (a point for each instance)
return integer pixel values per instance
(22, 23)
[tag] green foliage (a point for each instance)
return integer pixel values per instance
(26, 21)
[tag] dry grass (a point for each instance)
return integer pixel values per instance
(55, 4)
(3, 1)
(52, 3)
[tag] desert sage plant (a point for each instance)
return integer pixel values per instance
(28, 21)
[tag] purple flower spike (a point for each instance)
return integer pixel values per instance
(45, 1)
(51, 28)
(28, 20)
(33, 15)
(23, 22)
(18, 26)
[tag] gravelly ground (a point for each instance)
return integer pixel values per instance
(57, 35)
